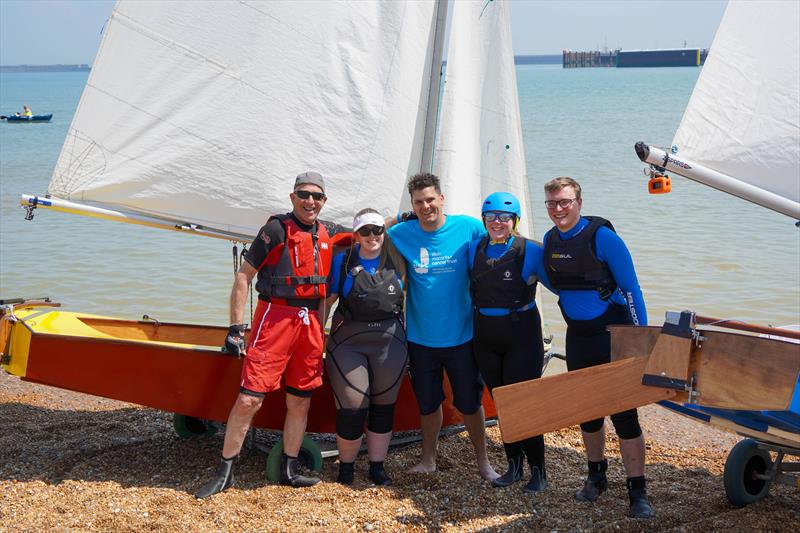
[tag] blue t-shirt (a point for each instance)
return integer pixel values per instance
(532, 269)
(611, 250)
(439, 308)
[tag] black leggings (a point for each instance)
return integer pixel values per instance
(509, 349)
(588, 344)
(365, 363)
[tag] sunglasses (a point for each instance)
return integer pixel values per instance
(502, 217)
(563, 204)
(305, 195)
(364, 231)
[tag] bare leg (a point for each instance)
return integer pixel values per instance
(430, 426)
(476, 427)
(377, 445)
(348, 449)
(595, 444)
(242, 413)
(294, 427)
(632, 451)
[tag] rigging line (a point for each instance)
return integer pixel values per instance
(484, 8)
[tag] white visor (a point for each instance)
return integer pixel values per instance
(367, 219)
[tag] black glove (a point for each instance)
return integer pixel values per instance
(234, 342)
(408, 215)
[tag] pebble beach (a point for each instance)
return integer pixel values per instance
(73, 462)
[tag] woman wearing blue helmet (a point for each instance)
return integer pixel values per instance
(507, 341)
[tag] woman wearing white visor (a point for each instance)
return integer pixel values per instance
(366, 351)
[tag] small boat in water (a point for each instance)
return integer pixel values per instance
(25, 119)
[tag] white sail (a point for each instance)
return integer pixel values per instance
(743, 119)
(203, 112)
(480, 148)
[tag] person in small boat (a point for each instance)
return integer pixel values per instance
(366, 351)
(507, 342)
(26, 111)
(291, 256)
(592, 270)
(439, 317)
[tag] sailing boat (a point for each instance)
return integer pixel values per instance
(740, 134)
(353, 92)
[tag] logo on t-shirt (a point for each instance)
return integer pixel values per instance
(421, 265)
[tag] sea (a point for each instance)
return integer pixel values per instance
(695, 248)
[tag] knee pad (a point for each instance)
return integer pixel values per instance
(593, 426)
(350, 423)
(627, 424)
(381, 418)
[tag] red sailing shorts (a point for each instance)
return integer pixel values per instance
(286, 342)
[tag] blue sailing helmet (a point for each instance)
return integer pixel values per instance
(502, 201)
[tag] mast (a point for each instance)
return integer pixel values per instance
(434, 87)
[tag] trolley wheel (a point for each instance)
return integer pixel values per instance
(310, 456)
(188, 426)
(744, 461)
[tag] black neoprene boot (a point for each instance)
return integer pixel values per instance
(377, 474)
(637, 493)
(596, 482)
(538, 481)
(290, 475)
(223, 478)
(346, 473)
(512, 475)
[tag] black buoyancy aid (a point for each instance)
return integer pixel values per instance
(497, 282)
(372, 297)
(297, 268)
(572, 264)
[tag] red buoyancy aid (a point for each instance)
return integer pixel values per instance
(296, 269)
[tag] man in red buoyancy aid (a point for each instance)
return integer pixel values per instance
(291, 256)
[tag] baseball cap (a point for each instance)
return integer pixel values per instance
(310, 178)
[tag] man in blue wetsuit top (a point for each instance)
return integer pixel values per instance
(439, 317)
(590, 267)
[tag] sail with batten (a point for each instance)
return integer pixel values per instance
(479, 149)
(203, 112)
(740, 132)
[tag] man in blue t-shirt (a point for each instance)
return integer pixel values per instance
(439, 318)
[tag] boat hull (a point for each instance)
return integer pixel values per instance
(34, 118)
(177, 368)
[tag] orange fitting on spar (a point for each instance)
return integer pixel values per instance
(659, 184)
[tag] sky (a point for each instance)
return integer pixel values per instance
(41, 32)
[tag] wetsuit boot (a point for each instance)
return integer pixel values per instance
(377, 474)
(346, 473)
(223, 478)
(538, 481)
(512, 475)
(290, 475)
(637, 494)
(596, 482)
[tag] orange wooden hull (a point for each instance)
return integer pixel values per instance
(171, 367)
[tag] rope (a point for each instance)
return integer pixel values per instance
(238, 261)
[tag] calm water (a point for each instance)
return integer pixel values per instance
(695, 248)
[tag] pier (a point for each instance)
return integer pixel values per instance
(678, 57)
